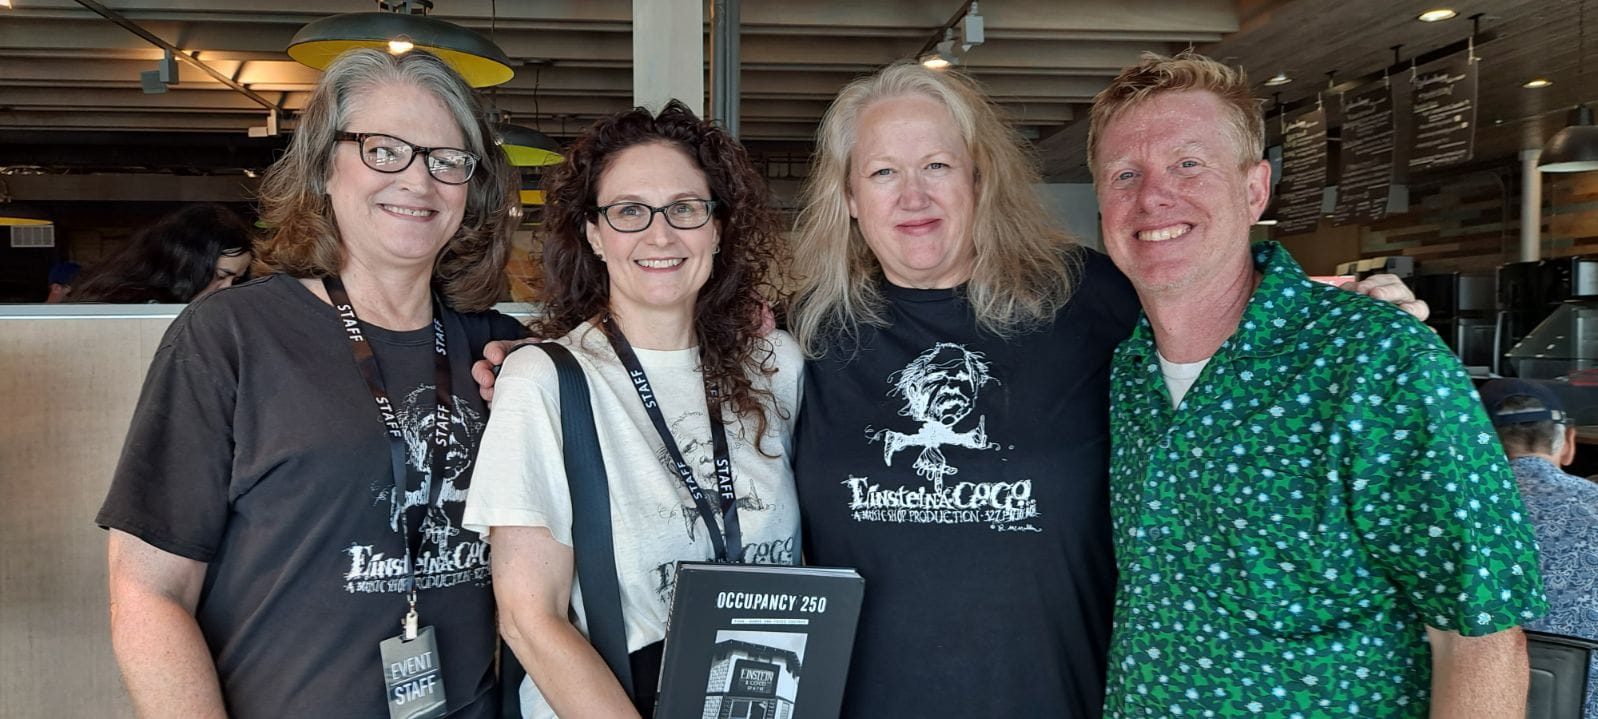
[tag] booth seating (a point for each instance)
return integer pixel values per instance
(1558, 675)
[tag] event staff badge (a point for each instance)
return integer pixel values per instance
(412, 672)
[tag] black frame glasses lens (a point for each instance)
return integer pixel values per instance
(439, 161)
(708, 207)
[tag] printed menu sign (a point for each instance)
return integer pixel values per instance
(1366, 160)
(1444, 112)
(1303, 173)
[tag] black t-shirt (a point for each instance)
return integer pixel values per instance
(256, 448)
(966, 477)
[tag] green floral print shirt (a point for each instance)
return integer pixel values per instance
(1328, 487)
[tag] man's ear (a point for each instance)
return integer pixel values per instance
(1259, 188)
(1568, 454)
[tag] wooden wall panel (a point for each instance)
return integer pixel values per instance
(71, 384)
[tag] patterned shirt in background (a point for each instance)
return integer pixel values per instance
(1564, 510)
(1328, 487)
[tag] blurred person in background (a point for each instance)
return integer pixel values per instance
(1539, 438)
(188, 254)
(62, 275)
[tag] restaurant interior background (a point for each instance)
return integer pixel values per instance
(101, 133)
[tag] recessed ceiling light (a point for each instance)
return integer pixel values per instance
(1437, 15)
(1537, 82)
(1278, 80)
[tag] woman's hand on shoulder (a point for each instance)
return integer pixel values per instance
(486, 369)
(1388, 288)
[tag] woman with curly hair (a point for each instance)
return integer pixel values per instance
(657, 241)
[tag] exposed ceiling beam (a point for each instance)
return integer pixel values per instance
(134, 28)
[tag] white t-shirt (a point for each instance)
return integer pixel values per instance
(1180, 376)
(520, 478)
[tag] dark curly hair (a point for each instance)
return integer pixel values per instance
(170, 261)
(729, 312)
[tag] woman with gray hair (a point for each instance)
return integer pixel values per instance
(285, 522)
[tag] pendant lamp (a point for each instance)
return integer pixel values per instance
(527, 147)
(13, 214)
(1575, 148)
(402, 26)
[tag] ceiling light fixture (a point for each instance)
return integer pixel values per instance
(13, 214)
(1537, 83)
(1575, 148)
(965, 30)
(942, 55)
(1438, 15)
(401, 26)
(1278, 80)
(155, 81)
(527, 147)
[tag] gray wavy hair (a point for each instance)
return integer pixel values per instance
(305, 241)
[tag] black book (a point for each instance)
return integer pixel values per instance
(758, 641)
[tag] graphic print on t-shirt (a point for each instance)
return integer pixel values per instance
(941, 389)
(449, 554)
(691, 430)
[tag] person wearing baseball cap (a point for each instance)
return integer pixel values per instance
(1539, 438)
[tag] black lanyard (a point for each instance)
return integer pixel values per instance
(366, 361)
(730, 535)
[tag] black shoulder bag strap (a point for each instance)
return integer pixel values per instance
(592, 548)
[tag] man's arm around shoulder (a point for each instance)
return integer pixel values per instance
(1479, 677)
(164, 659)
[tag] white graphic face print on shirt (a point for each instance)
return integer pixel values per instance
(449, 555)
(941, 389)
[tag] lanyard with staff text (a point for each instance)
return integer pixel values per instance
(728, 543)
(367, 362)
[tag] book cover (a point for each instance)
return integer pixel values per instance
(747, 641)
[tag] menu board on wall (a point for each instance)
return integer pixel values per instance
(1298, 206)
(1444, 112)
(1365, 164)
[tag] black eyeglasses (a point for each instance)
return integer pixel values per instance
(637, 216)
(386, 153)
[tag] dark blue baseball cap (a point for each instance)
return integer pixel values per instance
(1546, 408)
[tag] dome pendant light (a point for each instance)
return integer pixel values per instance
(527, 147)
(13, 214)
(400, 27)
(1575, 148)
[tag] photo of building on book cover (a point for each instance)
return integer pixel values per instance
(754, 675)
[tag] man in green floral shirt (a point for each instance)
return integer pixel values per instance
(1304, 487)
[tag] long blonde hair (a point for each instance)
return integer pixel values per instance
(1025, 264)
